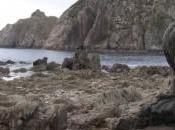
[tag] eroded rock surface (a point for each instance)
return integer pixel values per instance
(99, 24)
(28, 33)
(78, 100)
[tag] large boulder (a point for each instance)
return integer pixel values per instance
(82, 60)
(40, 62)
(2, 63)
(21, 113)
(4, 71)
(118, 68)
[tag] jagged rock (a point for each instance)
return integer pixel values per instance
(40, 62)
(25, 114)
(152, 70)
(106, 68)
(52, 66)
(21, 70)
(4, 71)
(118, 68)
(68, 63)
(83, 60)
(38, 13)
(158, 113)
(6, 62)
(168, 47)
(113, 24)
(28, 33)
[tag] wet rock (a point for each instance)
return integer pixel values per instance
(82, 60)
(160, 112)
(31, 115)
(10, 62)
(6, 62)
(118, 68)
(21, 70)
(152, 70)
(94, 61)
(39, 68)
(4, 71)
(106, 68)
(40, 62)
(40, 65)
(23, 62)
(52, 66)
(68, 63)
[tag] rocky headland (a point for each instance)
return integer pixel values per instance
(28, 33)
(98, 24)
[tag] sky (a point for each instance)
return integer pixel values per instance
(12, 10)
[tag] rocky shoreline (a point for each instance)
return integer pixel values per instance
(82, 99)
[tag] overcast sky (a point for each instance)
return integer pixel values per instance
(12, 10)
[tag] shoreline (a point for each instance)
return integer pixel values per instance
(87, 97)
(102, 51)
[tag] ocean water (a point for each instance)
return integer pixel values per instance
(29, 55)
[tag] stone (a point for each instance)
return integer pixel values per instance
(4, 71)
(2, 63)
(40, 62)
(31, 115)
(118, 68)
(67, 63)
(52, 66)
(82, 60)
(106, 68)
(168, 47)
(21, 70)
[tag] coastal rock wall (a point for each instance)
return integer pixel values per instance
(113, 24)
(97, 24)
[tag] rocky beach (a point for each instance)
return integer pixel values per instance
(109, 71)
(79, 97)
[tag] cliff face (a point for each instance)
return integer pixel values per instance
(113, 24)
(28, 33)
(99, 24)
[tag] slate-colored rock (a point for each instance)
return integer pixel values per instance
(118, 68)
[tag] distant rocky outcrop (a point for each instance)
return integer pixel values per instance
(28, 33)
(97, 24)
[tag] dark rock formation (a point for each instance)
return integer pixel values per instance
(52, 66)
(20, 113)
(40, 62)
(28, 33)
(21, 70)
(68, 63)
(118, 68)
(82, 60)
(6, 62)
(169, 50)
(4, 71)
(157, 113)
